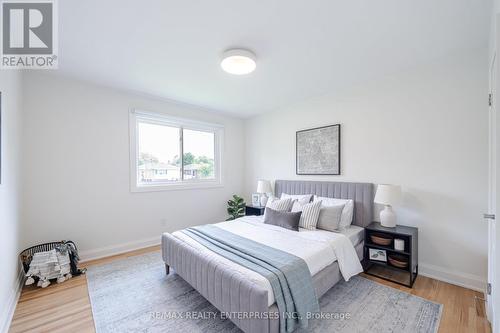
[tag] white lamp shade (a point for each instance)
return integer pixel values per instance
(264, 186)
(388, 194)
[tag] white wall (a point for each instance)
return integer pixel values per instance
(10, 86)
(425, 129)
(76, 169)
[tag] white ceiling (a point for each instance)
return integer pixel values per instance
(172, 49)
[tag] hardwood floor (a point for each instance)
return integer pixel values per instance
(66, 307)
(61, 307)
(462, 312)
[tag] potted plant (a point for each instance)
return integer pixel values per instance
(236, 207)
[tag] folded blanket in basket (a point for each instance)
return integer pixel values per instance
(49, 265)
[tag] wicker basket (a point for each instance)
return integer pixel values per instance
(27, 255)
(398, 261)
(381, 239)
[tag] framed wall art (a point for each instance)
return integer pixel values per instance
(318, 151)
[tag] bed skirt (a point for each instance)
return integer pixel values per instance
(229, 291)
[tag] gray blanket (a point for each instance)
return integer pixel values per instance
(288, 275)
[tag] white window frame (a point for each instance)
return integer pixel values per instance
(167, 120)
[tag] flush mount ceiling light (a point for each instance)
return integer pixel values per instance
(238, 61)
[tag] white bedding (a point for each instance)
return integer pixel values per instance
(318, 248)
(355, 234)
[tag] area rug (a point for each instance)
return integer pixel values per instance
(135, 295)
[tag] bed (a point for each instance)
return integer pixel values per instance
(237, 290)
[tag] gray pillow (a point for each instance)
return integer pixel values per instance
(329, 217)
(285, 220)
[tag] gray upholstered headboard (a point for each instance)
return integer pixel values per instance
(361, 193)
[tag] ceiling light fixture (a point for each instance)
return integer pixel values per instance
(238, 61)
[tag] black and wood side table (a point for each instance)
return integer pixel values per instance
(254, 210)
(387, 262)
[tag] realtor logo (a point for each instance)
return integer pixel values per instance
(29, 34)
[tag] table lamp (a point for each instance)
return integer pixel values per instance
(388, 195)
(263, 187)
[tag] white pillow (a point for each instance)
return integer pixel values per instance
(280, 205)
(310, 214)
(329, 217)
(347, 212)
(301, 198)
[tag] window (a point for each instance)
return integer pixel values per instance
(173, 153)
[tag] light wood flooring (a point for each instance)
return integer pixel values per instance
(66, 307)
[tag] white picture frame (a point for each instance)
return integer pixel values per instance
(378, 255)
(256, 199)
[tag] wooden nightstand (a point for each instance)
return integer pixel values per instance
(254, 210)
(385, 269)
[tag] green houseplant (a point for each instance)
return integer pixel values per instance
(235, 207)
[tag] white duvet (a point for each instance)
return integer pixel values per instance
(317, 248)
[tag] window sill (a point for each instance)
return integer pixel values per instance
(176, 186)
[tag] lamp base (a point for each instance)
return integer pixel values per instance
(263, 200)
(387, 217)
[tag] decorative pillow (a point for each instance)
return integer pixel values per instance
(285, 220)
(310, 214)
(347, 212)
(300, 198)
(329, 217)
(281, 205)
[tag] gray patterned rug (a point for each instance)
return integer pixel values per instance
(135, 295)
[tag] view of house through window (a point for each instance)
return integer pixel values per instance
(198, 162)
(159, 153)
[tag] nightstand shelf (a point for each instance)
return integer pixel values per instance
(384, 269)
(384, 264)
(380, 247)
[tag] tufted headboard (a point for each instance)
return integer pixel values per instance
(361, 193)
